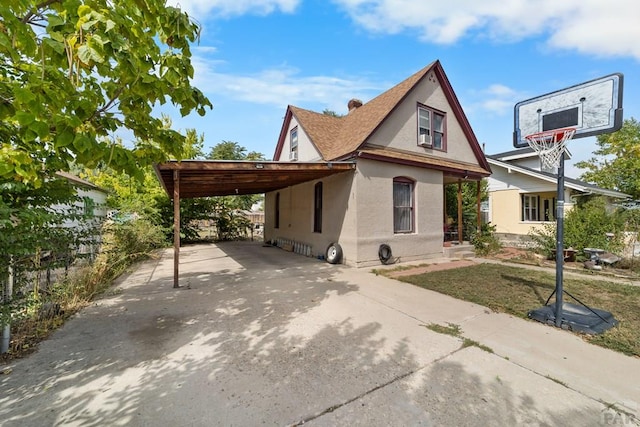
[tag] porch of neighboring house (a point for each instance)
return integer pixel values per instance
(459, 224)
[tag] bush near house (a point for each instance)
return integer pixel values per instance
(590, 224)
(486, 242)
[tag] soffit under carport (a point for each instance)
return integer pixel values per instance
(205, 178)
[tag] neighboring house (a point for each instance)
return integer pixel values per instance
(522, 196)
(93, 206)
(407, 144)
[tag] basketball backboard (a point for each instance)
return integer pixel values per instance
(593, 108)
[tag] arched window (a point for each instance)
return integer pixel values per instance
(317, 208)
(403, 205)
(277, 213)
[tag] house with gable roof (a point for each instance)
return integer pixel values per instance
(522, 193)
(406, 144)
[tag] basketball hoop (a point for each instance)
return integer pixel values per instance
(550, 145)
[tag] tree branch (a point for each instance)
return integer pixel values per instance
(38, 7)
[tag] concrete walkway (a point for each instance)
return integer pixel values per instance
(260, 336)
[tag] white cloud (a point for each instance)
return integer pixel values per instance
(281, 86)
(496, 100)
(604, 28)
(227, 8)
(200, 50)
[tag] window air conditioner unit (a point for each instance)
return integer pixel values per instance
(293, 155)
(424, 140)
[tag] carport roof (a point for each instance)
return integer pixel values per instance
(204, 178)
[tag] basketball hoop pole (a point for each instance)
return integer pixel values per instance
(551, 146)
(559, 241)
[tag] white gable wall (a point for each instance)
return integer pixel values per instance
(307, 152)
(501, 179)
(400, 129)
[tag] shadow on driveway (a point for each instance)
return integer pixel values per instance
(257, 336)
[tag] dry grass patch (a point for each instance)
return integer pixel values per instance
(517, 290)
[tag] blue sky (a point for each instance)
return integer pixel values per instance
(257, 56)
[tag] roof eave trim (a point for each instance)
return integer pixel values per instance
(407, 162)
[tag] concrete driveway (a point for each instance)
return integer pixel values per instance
(260, 336)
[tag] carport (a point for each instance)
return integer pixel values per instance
(207, 178)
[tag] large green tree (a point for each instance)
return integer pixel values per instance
(230, 150)
(469, 203)
(229, 224)
(75, 72)
(140, 194)
(616, 163)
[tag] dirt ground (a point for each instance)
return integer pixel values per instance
(518, 256)
(420, 269)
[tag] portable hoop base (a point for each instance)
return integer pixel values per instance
(550, 145)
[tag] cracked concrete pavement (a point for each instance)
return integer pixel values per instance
(257, 335)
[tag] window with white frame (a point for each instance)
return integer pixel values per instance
(293, 143)
(431, 128)
(402, 205)
(530, 207)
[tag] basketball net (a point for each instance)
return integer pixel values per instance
(550, 145)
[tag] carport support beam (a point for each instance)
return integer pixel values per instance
(176, 227)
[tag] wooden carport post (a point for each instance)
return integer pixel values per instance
(176, 226)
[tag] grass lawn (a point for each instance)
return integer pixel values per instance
(516, 290)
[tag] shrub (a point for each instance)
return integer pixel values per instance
(588, 225)
(591, 225)
(543, 239)
(35, 314)
(485, 242)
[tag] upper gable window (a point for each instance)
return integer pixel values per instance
(431, 128)
(293, 143)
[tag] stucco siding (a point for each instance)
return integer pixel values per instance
(296, 215)
(400, 129)
(358, 214)
(505, 212)
(374, 181)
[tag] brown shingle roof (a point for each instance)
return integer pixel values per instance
(322, 129)
(340, 137)
(360, 123)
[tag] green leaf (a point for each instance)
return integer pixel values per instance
(23, 95)
(83, 10)
(40, 128)
(110, 25)
(81, 143)
(54, 20)
(25, 118)
(64, 138)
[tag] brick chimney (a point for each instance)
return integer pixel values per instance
(353, 104)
